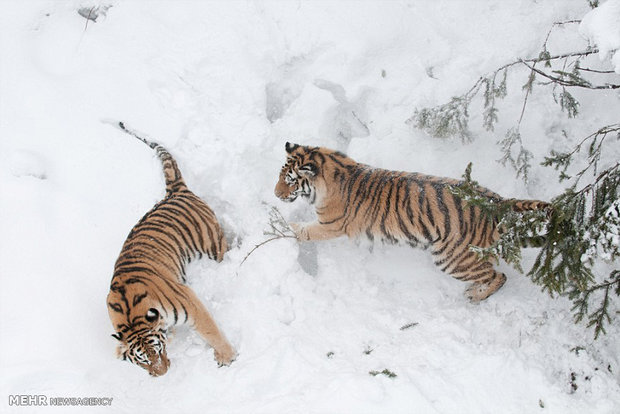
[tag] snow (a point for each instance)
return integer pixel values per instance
(224, 85)
(606, 244)
(602, 27)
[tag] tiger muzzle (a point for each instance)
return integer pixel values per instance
(284, 193)
(159, 364)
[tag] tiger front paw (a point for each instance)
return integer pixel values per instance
(225, 355)
(300, 231)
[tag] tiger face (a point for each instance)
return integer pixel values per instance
(145, 348)
(140, 331)
(299, 175)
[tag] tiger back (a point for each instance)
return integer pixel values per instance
(355, 199)
(148, 294)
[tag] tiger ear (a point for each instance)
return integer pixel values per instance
(309, 170)
(290, 147)
(118, 335)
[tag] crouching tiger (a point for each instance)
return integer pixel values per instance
(354, 199)
(148, 294)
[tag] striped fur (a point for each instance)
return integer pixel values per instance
(355, 199)
(148, 294)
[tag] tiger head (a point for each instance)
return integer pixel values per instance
(302, 174)
(142, 339)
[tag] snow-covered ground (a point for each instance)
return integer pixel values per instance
(224, 85)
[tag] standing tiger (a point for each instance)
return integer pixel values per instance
(148, 293)
(354, 199)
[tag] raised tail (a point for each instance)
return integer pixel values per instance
(531, 205)
(526, 205)
(172, 174)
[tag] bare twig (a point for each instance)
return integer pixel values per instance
(558, 24)
(262, 244)
(596, 71)
(527, 94)
(89, 14)
(279, 229)
(360, 121)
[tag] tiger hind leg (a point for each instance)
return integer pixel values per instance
(465, 265)
(479, 291)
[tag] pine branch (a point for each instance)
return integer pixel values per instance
(521, 163)
(561, 161)
(570, 234)
(518, 228)
(600, 316)
(583, 224)
(446, 120)
(547, 58)
(602, 176)
(385, 372)
(572, 82)
(452, 119)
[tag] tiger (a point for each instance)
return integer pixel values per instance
(356, 199)
(148, 292)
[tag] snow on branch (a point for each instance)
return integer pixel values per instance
(452, 118)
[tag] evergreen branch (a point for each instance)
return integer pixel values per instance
(562, 56)
(569, 234)
(451, 119)
(385, 372)
(602, 176)
(565, 82)
(600, 316)
(583, 224)
(546, 58)
(446, 120)
(559, 160)
(521, 163)
(602, 131)
(519, 229)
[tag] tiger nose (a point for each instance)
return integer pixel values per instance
(158, 370)
(278, 192)
(159, 365)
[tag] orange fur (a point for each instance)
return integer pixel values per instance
(355, 199)
(148, 294)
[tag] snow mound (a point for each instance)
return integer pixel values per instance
(602, 27)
